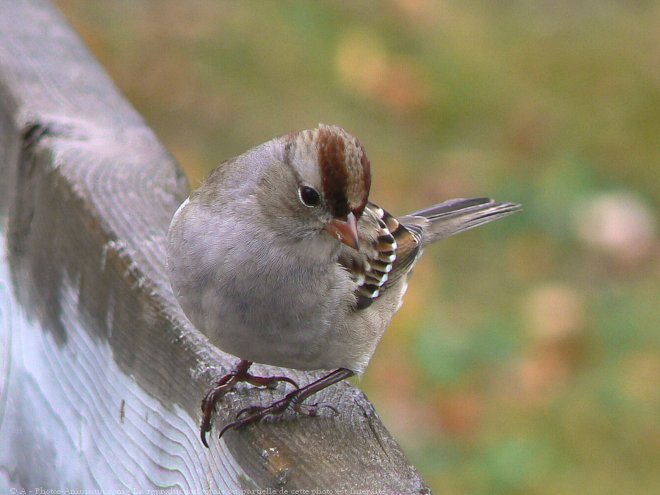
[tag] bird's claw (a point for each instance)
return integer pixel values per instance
(312, 410)
(254, 414)
(268, 381)
(226, 383)
(293, 400)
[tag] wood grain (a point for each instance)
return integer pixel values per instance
(101, 374)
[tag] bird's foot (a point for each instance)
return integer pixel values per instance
(294, 400)
(226, 383)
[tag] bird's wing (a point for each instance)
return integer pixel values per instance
(389, 247)
(388, 250)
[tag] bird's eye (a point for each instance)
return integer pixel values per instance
(309, 196)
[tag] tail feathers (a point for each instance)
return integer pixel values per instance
(457, 215)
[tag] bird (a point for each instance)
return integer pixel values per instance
(280, 258)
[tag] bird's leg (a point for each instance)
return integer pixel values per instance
(293, 399)
(226, 383)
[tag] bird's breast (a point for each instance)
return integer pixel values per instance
(277, 308)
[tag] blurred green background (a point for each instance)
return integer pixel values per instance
(526, 358)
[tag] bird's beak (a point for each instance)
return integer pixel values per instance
(345, 231)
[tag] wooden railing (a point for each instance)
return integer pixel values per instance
(101, 374)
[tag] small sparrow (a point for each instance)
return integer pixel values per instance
(280, 258)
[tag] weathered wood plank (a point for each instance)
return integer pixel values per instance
(101, 373)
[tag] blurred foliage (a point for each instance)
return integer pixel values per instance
(526, 357)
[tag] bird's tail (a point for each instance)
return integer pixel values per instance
(458, 215)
